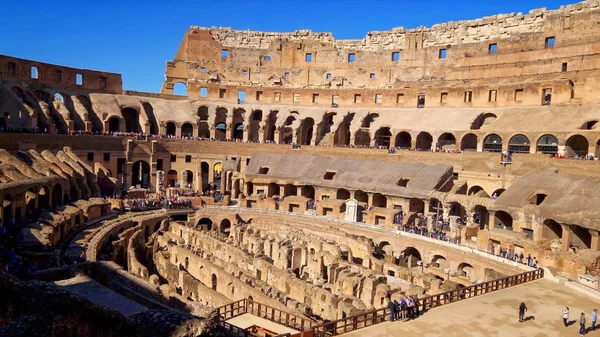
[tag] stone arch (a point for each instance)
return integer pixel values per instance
(180, 89)
(503, 220)
(221, 123)
(577, 145)
(225, 226)
(342, 134)
(370, 118)
(383, 136)
(57, 195)
(140, 174)
(465, 269)
(483, 119)
(361, 196)
(289, 190)
(204, 224)
(342, 194)
(416, 205)
(424, 141)
(410, 257)
(308, 191)
(589, 125)
(547, 144)
(551, 230)
(439, 261)
(481, 216)
(44, 197)
(403, 140)
(270, 126)
(519, 144)
(492, 143)
(581, 237)
(447, 139)
(498, 192)
(114, 124)
(324, 127)
(214, 282)
(469, 142)
(379, 200)
(456, 209)
(475, 189)
(202, 113)
(362, 138)
(149, 110)
(273, 189)
(238, 131)
(187, 130)
(171, 129)
(172, 178)
(132, 120)
(305, 131)
(255, 118)
(286, 133)
(203, 130)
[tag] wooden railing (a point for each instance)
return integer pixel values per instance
(248, 306)
(377, 316)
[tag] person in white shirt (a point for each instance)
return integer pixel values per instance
(565, 315)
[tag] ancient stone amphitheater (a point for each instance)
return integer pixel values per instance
(302, 182)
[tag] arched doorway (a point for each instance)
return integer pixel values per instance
(447, 140)
(481, 216)
(547, 144)
(171, 129)
(379, 200)
(204, 167)
(225, 226)
(424, 141)
(551, 230)
(187, 179)
(187, 130)
(361, 196)
(503, 220)
(204, 224)
(342, 194)
(140, 174)
(273, 190)
(308, 192)
(255, 120)
(469, 142)
(44, 195)
(57, 195)
(519, 144)
(172, 178)
(577, 145)
(113, 124)
(217, 173)
(465, 269)
(289, 190)
(362, 138)
(180, 89)
(238, 133)
(382, 137)
(220, 131)
(132, 120)
(403, 140)
(492, 143)
(305, 131)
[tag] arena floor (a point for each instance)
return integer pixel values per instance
(496, 314)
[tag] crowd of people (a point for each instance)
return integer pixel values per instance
(406, 308)
(508, 254)
(160, 200)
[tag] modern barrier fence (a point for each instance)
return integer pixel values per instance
(248, 306)
(309, 328)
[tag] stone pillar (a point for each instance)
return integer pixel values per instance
(313, 140)
(566, 237)
(595, 244)
(88, 126)
(211, 173)
(246, 132)
(177, 130)
(277, 137)
(127, 175)
(413, 142)
(591, 147)
(212, 132)
(261, 135)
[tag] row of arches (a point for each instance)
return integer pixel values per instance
(36, 199)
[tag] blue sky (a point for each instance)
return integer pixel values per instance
(135, 38)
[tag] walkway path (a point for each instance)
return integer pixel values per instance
(247, 320)
(496, 314)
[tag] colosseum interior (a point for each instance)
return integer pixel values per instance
(303, 182)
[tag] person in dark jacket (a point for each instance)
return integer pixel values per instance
(522, 310)
(392, 311)
(397, 307)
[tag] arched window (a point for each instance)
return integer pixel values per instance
(492, 143)
(171, 129)
(187, 130)
(547, 144)
(519, 144)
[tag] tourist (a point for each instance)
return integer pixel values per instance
(535, 263)
(397, 308)
(402, 308)
(392, 311)
(522, 310)
(410, 306)
(565, 314)
(594, 317)
(582, 324)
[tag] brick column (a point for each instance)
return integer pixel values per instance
(566, 237)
